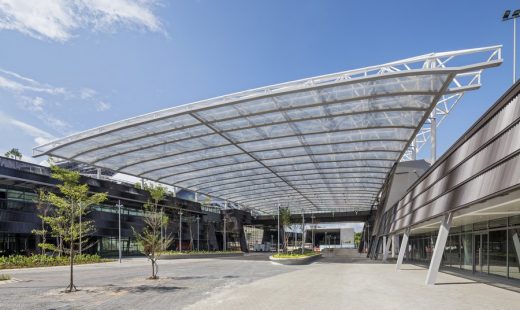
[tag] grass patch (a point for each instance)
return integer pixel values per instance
(295, 254)
(21, 261)
(5, 277)
(199, 252)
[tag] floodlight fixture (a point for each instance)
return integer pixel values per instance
(507, 16)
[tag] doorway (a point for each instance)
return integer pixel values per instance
(480, 255)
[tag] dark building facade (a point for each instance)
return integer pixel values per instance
(201, 226)
(464, 211)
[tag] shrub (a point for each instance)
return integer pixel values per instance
(21, 261)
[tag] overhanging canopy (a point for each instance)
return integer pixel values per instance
(318, 144)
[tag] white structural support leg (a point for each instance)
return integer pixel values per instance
(402, 250)
(395, 242)
(440, 244)
(386, 247)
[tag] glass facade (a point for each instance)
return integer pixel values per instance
(109, 246)
(488, 247)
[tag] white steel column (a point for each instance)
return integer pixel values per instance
(435, 263)
(303, 231)
(386, 247)
(278, 244)
(119, 205)
(180, 231)
(198, 232)
(402, 250)
(395, 241)
(433, 137)
(312, 232)
(516, 243)
(514, 51)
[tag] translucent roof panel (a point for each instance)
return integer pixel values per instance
(322, 143)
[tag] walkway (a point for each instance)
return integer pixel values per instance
(349, 282)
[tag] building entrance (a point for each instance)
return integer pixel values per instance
(480, 255)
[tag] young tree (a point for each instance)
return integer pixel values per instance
(152, 238)
(285, 220)
(65, 219)
(206, 203)
(44, 208)
(191, 220)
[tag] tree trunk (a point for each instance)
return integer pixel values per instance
(191, 234)
(153, 269)
(71, 285)
(43, 237)
(80, 245)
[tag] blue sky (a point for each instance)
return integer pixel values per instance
(67, 66)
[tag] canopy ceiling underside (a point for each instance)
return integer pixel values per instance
(314, 148)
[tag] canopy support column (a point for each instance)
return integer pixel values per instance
(402, 250)
(440, 243)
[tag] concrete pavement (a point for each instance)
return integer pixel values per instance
(251, 282)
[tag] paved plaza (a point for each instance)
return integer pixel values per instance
(251, 282)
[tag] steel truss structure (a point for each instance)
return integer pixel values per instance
(316, 145)
(462, 82)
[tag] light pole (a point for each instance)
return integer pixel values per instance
(119, 205)
(278, 244)
(312, 230)
(198, 232)
(180, 231)
(225, 241)
(513, 16)
(303, 231)
(368, 236)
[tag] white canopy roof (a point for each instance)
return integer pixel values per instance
(318, 144)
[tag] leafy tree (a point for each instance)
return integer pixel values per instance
(357, 239)
(285, 220)
(205, 204)
(44, 208)
(191, 220)
(14, 153)
(152, 239)
(72, 203)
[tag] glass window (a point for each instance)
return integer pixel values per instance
(11, 194)
(467, 251)
(498, 252)
(452, 252)
(514, 220)
(514, 253)
(480, 226)
(468, 227)
(498, 223)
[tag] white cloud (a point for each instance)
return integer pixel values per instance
(102, 106)
(87, 93)
(14, 82)
(34, 104)
(41, 99)
(58, 19)
(40, 136)
(53, 122)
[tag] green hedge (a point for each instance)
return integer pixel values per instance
(198, 252)
(21, 261)
(295, 254)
